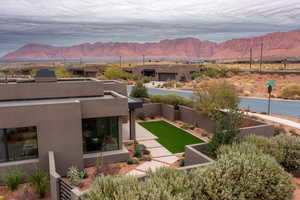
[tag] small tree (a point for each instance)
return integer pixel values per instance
(214, 96)
(227, 128)
(114, 72)
(139, 91)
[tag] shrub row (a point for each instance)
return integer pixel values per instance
(283, 148)
(171, 99)
(234, 176)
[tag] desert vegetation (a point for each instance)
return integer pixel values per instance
(235, 175)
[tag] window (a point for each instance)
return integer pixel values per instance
(100, 134)
(18, 144)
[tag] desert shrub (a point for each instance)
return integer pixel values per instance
(40, 182)
(114, 188)
(290, 147)
(237, 176)
(13, 178)
(130, 161)
(214, 96)
(171, 99)
(146, 79)
(196, 75)
(62, 72)
(212, 72)
(139, 91)
(74, 176)
(267, 146)
(83, 174)
(291, 92)
(181, 162)
(138, 153)
(244, 148)
(170, 183)
(114, 72)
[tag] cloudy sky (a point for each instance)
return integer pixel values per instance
(69, 22)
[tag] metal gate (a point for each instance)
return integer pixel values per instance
(64, 190)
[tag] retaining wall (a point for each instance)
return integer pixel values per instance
(191, 116)
(194, 156)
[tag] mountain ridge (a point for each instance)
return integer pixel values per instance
(274, 44)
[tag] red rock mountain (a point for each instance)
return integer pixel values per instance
(275, 44)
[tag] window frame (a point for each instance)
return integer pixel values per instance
(5, 143)
(84, 150)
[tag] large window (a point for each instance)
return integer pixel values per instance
(18, 144)
(100, 134)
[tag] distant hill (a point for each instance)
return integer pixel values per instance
(275, 44)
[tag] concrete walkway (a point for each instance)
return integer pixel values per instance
(161, 156)
(143, 134)
(276, 119)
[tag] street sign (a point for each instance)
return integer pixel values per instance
(270, 85)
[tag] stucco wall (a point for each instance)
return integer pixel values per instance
(168, 112)
(266, 130)
(13, 91)
(59, 128)
(193, 156)
(149, 110)
(191, 116)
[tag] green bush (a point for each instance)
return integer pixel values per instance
(267, 146)
(40, 182)
(138, 153)
(290, 147)
(130, 161)
(234, 176)
(114, 73)
(291, 92)
(171, 99)
(170, 183)
(244, 148)
(237, 176)
(227, 130)
(13, 178)
(83, 174)
(210, 97)
(62, 72)
(114, 188)
(139, 91)
(146, 79)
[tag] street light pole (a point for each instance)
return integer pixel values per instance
(250, 57)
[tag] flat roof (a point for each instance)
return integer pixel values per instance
(51, 101)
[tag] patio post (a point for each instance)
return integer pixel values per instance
(132, 124)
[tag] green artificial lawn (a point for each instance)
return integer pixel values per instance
(171, 137)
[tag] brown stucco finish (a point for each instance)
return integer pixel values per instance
(58, 123)
(18, 91)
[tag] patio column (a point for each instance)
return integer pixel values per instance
(132, 124)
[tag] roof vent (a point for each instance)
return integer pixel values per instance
(45, 75)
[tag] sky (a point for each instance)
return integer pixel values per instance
(71, 22)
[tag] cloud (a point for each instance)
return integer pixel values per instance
(68, 22)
